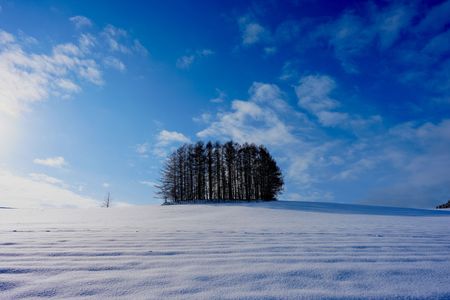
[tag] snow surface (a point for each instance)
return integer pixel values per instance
(279, 250)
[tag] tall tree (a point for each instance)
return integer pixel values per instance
(209, 162)
(218, 173)
(230, 159)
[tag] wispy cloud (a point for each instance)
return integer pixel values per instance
(352, 33)
(148, 183)
(80, 21)
(252, 32)
(87, 42)
(391, 22)
(185, 61)
(166, 137)
(68, 85)
(114, 63)
(6, 38)
(114, 36)
(142, 149)
(203, 118)
(40, 177)
(166, 140)
(29, 77)
(252, 121)
(220, 97)
(314, 94)
(435, 19)
(139, 48)
(53, 162)
(119, 41)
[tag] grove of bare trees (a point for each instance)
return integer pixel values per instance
(220, 172)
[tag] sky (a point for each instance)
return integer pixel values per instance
(352, 98)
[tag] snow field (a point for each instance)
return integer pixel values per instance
(280, 250)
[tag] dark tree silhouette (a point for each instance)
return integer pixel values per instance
(107, 202)
(220, 172)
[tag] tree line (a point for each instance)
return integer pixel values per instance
(219, 172)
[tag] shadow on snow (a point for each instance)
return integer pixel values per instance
(341, 208)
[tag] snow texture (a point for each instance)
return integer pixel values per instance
(279, 250)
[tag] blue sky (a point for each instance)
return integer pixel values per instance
(351, 97)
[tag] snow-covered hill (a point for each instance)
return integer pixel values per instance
(279, 250)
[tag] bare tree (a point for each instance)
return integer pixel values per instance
(107, 201)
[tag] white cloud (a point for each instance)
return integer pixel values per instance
(139, 48)
(353, 33)
(142, 149)
(299, 167)
(25, 39)
(186, 61)
(6, 38)
(29, 77)
(270, 50)
(166, 140)
(39, 177)
(80, 21)
(114, 63)
(205, 52)
(118, 40)
(252, 121)
(313, 92)
(106, 185)
(203, 118)
(67, 49)
(166, 137)
(347, 36)
(252, 32)
(220, 96)
(87, 42)
(390, 22)
(314, 95)
(289, 71)
(68, 85)
(53, 162)
(418, 153)
(38, 191)
(148, 183)
(408, 36)
(114, 38)
(269, 94)
(368, 28)
(310, 196)
(332, 118)
(355, 169)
